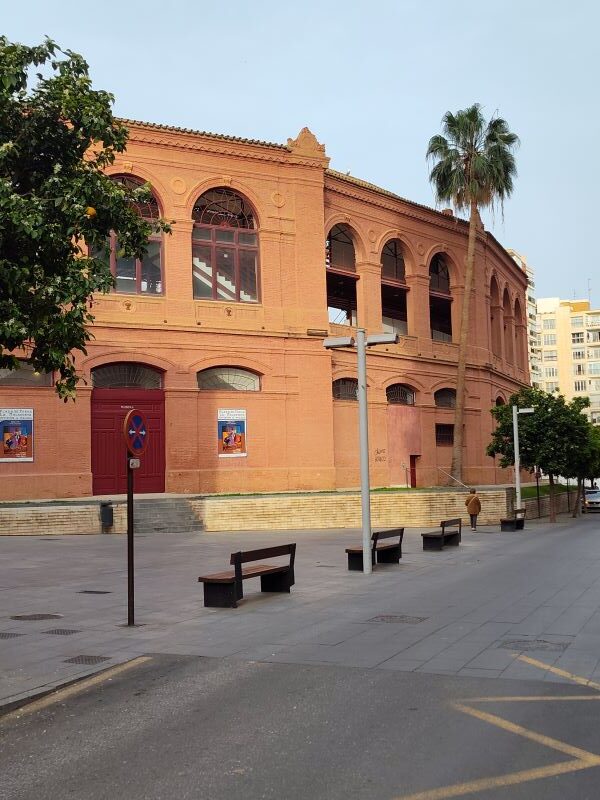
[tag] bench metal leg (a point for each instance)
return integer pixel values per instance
(277, 582)
(355, 561)
(508, 525)
(220, 595)
(391, 556)
(519, 524)
(433, 544)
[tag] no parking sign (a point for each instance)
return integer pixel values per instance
(135, 431)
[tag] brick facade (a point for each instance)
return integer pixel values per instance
(299, 438)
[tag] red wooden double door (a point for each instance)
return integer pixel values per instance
(109, 408)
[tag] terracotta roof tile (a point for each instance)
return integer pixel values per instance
(219, 136)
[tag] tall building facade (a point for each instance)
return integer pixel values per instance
(533, 332)
(570, 347)
(217, 334)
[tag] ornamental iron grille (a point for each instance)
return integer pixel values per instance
(345, 389)
(126, 376)
(228, 379)
(399, 394)
(444, 435)
(445, 398)
(138, 275)
(439, 277)
(339, 249)
(224, 248)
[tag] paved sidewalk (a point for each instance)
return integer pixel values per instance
(465, 611)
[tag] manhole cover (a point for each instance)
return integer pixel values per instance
(8, 635)
(533, 644)
(35, 617)
(94, 591)
(398, 618)
(326, 566)
(86, 660)
(62, 631)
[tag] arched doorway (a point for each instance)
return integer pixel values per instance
(117, 388)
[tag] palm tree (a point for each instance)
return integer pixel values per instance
(474, 167)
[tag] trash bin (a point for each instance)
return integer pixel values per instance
(106, 514)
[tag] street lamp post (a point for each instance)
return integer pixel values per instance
(515, 415)
(362, 342)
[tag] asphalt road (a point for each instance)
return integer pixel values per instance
(189, 727)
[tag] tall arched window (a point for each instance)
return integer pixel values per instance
(126, 375)
(393, 288)
(138, 275)
(340, 262)
(440, 300)
(400, 394)
(509, 336)
(520, 337)
(228, 379)
(495, 317)
(445, 398)
(345, 389)
(224, 248)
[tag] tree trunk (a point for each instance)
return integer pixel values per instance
(552, 506)
(577, 506)
(459, 415)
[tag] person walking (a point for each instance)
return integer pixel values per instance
(473, 504)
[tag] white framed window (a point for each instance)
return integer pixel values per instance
(578, 355)
(580, 386)
(550, 355)
(577, 338)
(552, 386)
(549, 324)
(549, 338)
(551, 372)
(577, 322)
(228, 379)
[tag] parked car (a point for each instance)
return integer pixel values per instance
(591, 500)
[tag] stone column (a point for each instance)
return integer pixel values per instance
(368, 295)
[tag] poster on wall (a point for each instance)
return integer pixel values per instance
(231, 425)
(16, 432)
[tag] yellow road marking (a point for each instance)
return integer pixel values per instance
(75, 688)
(583, 755)
(498, 781)
(562, 672)
(525, 698)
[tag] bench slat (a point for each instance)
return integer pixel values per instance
(247, 572)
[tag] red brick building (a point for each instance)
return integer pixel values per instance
(218, 334)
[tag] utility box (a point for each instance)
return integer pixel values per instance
(106, 514)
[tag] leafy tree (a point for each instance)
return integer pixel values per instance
(586, 463)
(552, 438)
(473, 168)
(57, 135)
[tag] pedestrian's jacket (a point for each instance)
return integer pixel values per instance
(473, 504)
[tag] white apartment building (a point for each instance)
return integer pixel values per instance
(570, 350)
(533, 347)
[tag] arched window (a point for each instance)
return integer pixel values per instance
(138, 275)
(345, 389)
(500, 401)
(495, 317)
(340, 262)
(25, 375)
(224, 248)
(445, 398)
(400, 394)
(228, 379)
(509, 336)
(393, 288)
(440, 301)
(126, 375)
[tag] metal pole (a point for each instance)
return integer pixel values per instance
(130, 582)
(568, 497)
(515, 413)
(363, 422)
(537, 489)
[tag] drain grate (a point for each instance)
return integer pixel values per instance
(87, 660)
(8, 635)
(398, 619)
(62, 631)
(94, 591)
(533, 644)
(36, 617)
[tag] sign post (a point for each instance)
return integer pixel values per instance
(135, 432)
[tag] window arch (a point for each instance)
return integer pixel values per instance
(400, 394)
(126, 375)
(138, 275)
(440, 300)
(340, 263)
(500, 401)
(25, 375)
(228, 379)
(445, 398)
(393, 288)
(345, 389)
(224, 247)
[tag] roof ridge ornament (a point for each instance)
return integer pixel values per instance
(307, 144)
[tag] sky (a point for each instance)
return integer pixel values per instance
(372, 80)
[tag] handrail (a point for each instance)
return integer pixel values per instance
(453, 478)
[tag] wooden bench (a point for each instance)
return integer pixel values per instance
(450, 534)
(224, 589)
(514, 523)
(380, 553)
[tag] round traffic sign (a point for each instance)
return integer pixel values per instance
(135, 431)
